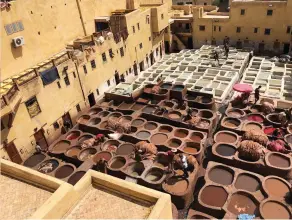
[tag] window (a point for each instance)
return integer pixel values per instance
(162, 16)
(138, 26)
(110, 51)
(238, 29)
(103, 57)
(133, 27)
(288, 30)
(242, 12)
(267, 31)
(56, 125)
(122, 52)
(219, 28)
(59, 85)
(108, 83)
(147, 19)
(269, 12)
(141, 45)
(187, 26)
(2, 126)
(67, 81)
(202, 27)
(14, 27)
(149, 38)
(97, 92)
(74, 74)
(255, 30)
(85, 69)
(93, 65)
(33, 107)
(78, 108)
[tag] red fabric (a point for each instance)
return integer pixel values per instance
(241, 87)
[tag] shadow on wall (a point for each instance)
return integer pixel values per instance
(16, 52)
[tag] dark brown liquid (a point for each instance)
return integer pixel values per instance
(279, 161)
(181, 133)
(76, 177)
(137, 122)
(231, 123)
(225, 137)
(125, 105)
(221, 176)
(176, 185)
(159, 138)
(247, 182)
(34, 160)
(105, 155)
(125, 149)
(143, 135)
(174, 116)
(275, 210)
(165, 129)
(214, 196)
(64, 171)
(241, 204)
(225, 150)
(276, 187)
(190, 150)
(148, 109)
(150, 126)
(174, 143)
(196, 138)
(61, 147)
(118, 163)
(74, 151)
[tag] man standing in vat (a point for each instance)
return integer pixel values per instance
(184, 165)
(170, 155)
(102, 165)
(38, 148)
(257, 94)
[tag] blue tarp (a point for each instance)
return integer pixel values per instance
(49, 76)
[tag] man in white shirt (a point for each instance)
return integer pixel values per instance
(38, 148)
(184, 165)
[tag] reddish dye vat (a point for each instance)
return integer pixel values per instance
(256, 118)
(270, 130)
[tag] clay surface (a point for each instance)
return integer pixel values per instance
(210, 192)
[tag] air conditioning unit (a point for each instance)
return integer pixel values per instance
(18, 41)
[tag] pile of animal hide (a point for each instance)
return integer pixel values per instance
(149, 150)
(250, 150)
(257, 136)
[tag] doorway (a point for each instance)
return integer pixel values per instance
(261, 48)
(167, 46)
(91, 99)
(117, 78)
(190, 43)
(160, 50)
(135, 69)
(39, 136)
(13, 153)
(141, 65)
(286, 48)
(152, 58)
(67, 118)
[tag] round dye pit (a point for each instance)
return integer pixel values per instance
(227, 137)
(255, 117)
(176, 185)
(158, 138)
(275, 210)
(117, 162)
(167, 104)
(138, 122)
(137, 106)
(148, 109)
(94, 121)
(231, 122)
(221, 175)
(110, 145)
(289, 129)
(34, 160)
(255, 109)
(174, 143)
(136, 169)
(247, 182)
(73, 151)
(72, 135)
(86, 153)
(125, 105)
(273, 118)
(205, 114)
(84, 138)
(165, 129)
(252, 126)
(174, 115)
(288, 139)
(161, 160)
(60, 147)
(205, 100)
(210, 192)
(192, 147)
(103, 114)
(115, 115)
(125, 119)
(125, 149)
(225, 150)
(178, 87)
(181, 133)
(76, 177)
(64, 171)
(279, 160)
(162, 91)
(103, 125)
(48, 166)
(166, 86)
(94, 111)
(102, 155)
(241, 203)
(154, 175)
(235, 113)
(143, 135)
(83, 119)
(197, 137)
(204, 124)
(276, 187)
(150, 126)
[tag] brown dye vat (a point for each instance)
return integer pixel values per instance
(60, 147)
(275, 210)
(87, 153)
(117, 163)
(196, 137)
(125, 105)
(165, 129)
(174, 143)
(205, 114)
(174, 115)
(191, 147)
(103, 125)
(73, 135)
(252, 126)
(167, 104)
(225, 150)
(161, 160)
(247, 182)
(115, 115)
(104, 103)
(203, 124)
(34, 160)
(279, 160)
(190, 97)
(76, 177)
(288, 139)
(148, 109)
(103, 114)
(176, 185)
(150, 126)
(241, 203)
(94, 111)
(273, 118)
(210, 192)
(125, 149)
(235, 113)
(137, 122)
(94, 121)
(276, 187)
(125, 119)
(64, 171)
(110, 145)
(181, 133)
(84, 138)
(143, 135)
(223, 136)
(221, 175)
(73, 151)
(158, 138)
(136, 169)
(48, 166)
(83, 119)
(231, 122)
(102, 155)
(154, 174)
(137, 106)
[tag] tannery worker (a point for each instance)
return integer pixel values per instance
(184, 165)
(170, 155)
(102, 163)
(257, 94)
(38, 148)
(138, 155)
